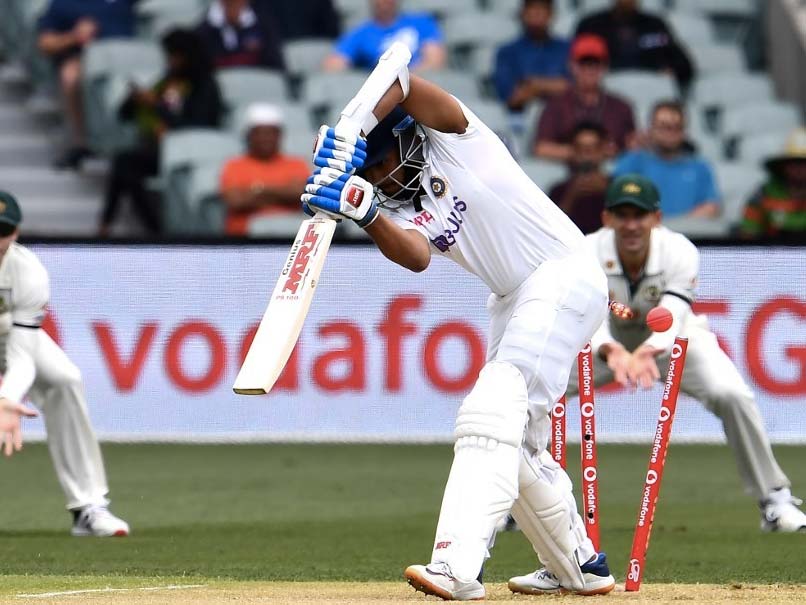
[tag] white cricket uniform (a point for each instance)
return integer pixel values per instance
(33, 364)
(670, 280)
(548, 296)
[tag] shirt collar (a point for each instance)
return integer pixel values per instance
(216, 17)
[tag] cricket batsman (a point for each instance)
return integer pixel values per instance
(648, 265)
(32, 364)
(447, 185)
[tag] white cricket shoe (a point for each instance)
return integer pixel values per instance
(99, 522)
(595, 573)
(780, 513)
(436, 579)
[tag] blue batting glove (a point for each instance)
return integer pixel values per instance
(337, 193)
(339, 149)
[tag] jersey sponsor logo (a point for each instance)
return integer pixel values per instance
(355, 195)
(423, 218)
(444, 242)
(438, 186)
(299, 260)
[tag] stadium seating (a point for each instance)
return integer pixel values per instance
(456, 81)
(740, 8)
(718, 58)
(642, 88)
(759, 117)
(243, 85)
(438, 8)
(692, 28)
(471, 29)
(108, 67)
(544, 174)
(305, 56)
(737, 182)
(754, 149)
(181, 151)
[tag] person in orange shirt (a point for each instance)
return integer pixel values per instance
(263, 180)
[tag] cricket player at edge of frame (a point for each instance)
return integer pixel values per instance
(648, 265)
(32, 364)
(448, 185)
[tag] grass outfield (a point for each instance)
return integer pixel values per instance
(229, 515)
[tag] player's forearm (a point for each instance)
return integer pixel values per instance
(432, 56)
(20, 365)
(52, 43)
(552, 151)
(405, 247)
(706, 210)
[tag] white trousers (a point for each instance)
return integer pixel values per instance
(711, 378)
(58, 392)
(538, 328)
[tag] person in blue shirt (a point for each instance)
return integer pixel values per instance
(685, 180)
(362, 47)
(535, 66)
(64, 29)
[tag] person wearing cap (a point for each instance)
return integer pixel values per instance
(423, 175)
(34, 366)
(535, 66)
(585, 101)
(778, 209)
(639, 40)
(685, 179)
(649, 265)
(263, 181)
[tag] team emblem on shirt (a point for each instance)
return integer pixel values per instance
(609, 265)
(652, 293)
(438, 186)
(5, 299)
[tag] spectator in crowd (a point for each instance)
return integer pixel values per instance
(362, 47)
(585, 101)
(535, 66)
(685, 180)
(300, 19)
(237, 34)
(186, 96)
(582, 195)
(638, 40)
(778, 209)
(263, 181)
(65, 29)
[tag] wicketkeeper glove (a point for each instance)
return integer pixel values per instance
(340, 149)
(336, 193)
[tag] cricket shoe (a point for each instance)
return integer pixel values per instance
(99, 522)
(595, 573)
(436, 579)
(780, 513)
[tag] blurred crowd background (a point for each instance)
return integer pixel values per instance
(177, 118)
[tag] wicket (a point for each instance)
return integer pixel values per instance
(590, 482)
(657, 461)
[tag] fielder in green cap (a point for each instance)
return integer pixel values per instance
(648, 265)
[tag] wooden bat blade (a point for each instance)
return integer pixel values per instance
(282, 322)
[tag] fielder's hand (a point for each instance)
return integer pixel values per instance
(340, 149)
(643, 370)
(10, 433)
(337, 193)
(618, 360)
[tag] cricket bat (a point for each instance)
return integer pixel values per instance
(282, 322)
